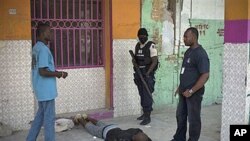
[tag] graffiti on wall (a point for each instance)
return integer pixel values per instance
(220, 32)
(202, 28)
(211, 33)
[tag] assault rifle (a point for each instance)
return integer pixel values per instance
(138, 71)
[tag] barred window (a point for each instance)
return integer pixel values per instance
(77, 30)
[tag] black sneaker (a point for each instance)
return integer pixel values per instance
(141, 117)
(146, 121)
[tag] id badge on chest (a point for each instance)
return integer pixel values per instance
(182, 70)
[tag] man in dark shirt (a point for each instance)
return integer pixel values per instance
(193, 76)
(147, 60)
(111, 132)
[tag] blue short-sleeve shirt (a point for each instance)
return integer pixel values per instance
(44, 87)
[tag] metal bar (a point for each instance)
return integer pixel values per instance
(54, 9)
(61, 49)
(80, 46)
(91, 9)
(41, 9)
(55, 47)
(77, 67)
(86, 58)
(97, 46)
(74, 45)
(85, 9)
(92, 44)
(70, 20)
(103, 10)
(67, 9)
(47, 9)
(111, 50)
(68, 46)
(103, 35)
(34, 6)
(80, 9)
(74, 9)
(35, 34)
(61, 9)
(97, 9)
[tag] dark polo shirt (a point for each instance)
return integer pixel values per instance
(195, 63)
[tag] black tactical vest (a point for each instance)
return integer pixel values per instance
(142, 55)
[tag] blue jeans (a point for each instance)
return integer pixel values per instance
(189, 109)
(45, 116)
(99, 130)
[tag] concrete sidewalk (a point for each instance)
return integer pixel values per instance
(161, 128)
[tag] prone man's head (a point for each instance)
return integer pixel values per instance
(140, 136)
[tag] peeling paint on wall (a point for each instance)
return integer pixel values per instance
(157, 17)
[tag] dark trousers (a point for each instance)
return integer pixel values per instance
(146, 99)
(189, 108)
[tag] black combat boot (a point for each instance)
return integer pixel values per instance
(146, 120)
(141, 117)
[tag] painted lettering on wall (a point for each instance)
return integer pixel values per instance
(220, 32)
(202, 28)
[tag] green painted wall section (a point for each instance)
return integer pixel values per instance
(211, 38)
(167, 76)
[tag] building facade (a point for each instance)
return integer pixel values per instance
(91, 40)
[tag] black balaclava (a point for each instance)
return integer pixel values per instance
(142, 31)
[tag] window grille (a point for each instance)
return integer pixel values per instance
(77, 30)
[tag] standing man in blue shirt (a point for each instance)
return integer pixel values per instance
(44, 85)
(193, 76)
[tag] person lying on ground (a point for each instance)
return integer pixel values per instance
(110, 132)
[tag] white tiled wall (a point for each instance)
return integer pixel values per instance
(16, 98)
(235, 62)
(248, 90)
(83, 89)
(126, 97)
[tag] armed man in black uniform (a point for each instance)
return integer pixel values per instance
(147, 61)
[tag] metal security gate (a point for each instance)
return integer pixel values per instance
(77, 29)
